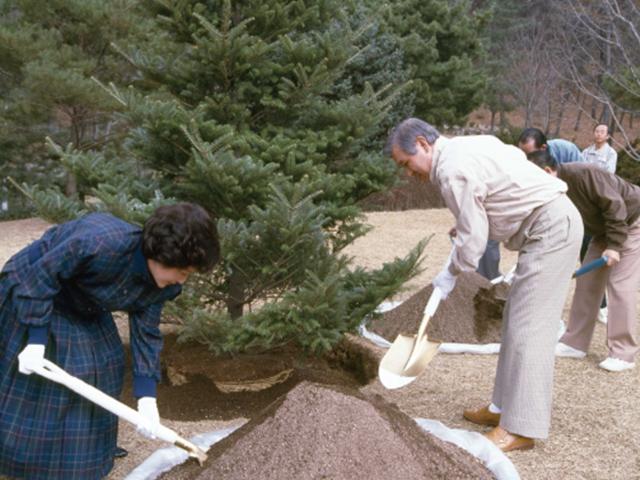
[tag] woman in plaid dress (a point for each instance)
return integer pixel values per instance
(56, 296)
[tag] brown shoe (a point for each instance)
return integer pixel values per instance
(482, 416)
(507, 442)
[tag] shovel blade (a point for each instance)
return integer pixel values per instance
(391, 369)
(423, 353)
(391, 381)
(394, 371)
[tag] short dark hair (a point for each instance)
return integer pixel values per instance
(181, 236)
(405, 133)
(543, 158)
(601, 125)
(534, 134)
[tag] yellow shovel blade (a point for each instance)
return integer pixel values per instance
(394, 371)
(423, 353)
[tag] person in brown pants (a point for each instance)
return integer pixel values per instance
(610, 210)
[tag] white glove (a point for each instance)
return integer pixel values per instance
(31, 358)
(445, 281)
(148, 408)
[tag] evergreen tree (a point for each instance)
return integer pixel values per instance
(48, 53)
(257, 111)
(441, 41)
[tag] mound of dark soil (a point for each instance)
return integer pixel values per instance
(197, 385)
(471, 314)
(318, 432)
(411, 194)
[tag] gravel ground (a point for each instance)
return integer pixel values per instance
(596, 416)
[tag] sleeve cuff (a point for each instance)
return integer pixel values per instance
(38, 335)
(144, 387)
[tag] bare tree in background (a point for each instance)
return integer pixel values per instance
(597, 50)
(524, 74)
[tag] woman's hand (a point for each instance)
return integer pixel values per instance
(148, 408)
(31, 358)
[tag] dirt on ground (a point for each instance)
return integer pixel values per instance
(472, 313)
(595, 431)
(316, 432)
(243, 385)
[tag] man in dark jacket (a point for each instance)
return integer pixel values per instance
(610, 210)
(56, 296)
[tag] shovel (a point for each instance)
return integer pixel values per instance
(506, 278)
(56, 374)
(592, 265)
(408, 356)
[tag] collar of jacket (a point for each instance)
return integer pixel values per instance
(139, 265)
(439, 145)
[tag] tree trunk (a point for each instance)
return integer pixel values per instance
(71, 187)
(493, 120)
(578, 118)
(235, 300)
(547, 117)
(563, 104)
(604, 116)
(612, 124)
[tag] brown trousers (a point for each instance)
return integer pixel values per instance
(622, 282)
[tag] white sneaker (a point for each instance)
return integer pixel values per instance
(616, 365)
(561, 329)
(603, 314)
(563, 350)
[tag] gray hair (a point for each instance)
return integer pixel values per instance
(405, 133)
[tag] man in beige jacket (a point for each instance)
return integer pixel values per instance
(495, 193)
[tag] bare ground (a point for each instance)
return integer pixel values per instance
(596, 415)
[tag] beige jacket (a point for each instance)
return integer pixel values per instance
(491, 188)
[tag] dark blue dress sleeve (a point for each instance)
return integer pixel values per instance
(146, 344)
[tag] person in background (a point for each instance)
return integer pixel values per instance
(56, 299)
(601, 155)
(610, 210)
(532, 140)
(494, 193)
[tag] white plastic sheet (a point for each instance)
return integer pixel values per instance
(476, 444)
(486, 349)
(164, 459)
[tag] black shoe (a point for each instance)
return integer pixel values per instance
(120, 452)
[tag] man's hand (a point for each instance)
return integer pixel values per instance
(613, 257)
(148, 408)
(31, 358)
(445, 281)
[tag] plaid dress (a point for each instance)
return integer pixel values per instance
(65, 285)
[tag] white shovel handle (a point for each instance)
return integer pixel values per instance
(432, 304)
(53, 372)
(56, 374)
